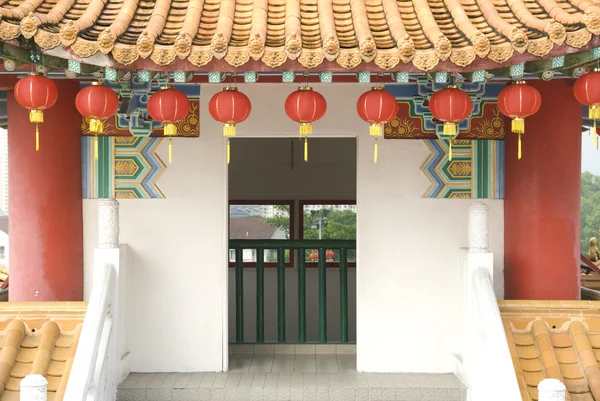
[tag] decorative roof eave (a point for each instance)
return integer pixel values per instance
(102, 60)
(320, 35)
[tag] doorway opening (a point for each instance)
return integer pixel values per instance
(292, 253)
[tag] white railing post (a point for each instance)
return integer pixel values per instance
(551, 390)
(478, 228)
(34, 388)
(108, 223)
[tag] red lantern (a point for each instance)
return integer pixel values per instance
(169, 106)
(587, 92)
(314, 255)
(229, 107)
(305, 106)
(377, 107)
(329, 255)
(36, 93)
(97, 102)
(450, 105)
(519, 101)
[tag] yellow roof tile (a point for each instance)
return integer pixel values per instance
(565, 355)
(48, 350)
(300, 34)
(566, 345)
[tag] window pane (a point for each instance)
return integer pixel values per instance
(259, 222)
(329, 222)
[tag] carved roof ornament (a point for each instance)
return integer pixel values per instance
(106, 41)
(389, 34)
(556, 32)
(29, 26)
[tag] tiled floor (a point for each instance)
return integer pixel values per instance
(290, 378)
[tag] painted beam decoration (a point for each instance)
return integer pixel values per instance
(127, 168)
(414, 120)
(476, 170)
(132, 118)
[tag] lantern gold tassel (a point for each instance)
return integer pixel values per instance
(305, 128)
(170, 150)
(519, 151)
(594, 111)
(375, 129)
(170, 129)
(96, 126)
(36, 116)
(95, 147)
(228, 151)
(229, 130)
(450, 150)
(450, 129)
(306, 149)
(595, 133)
(518, 125)
(376, 151)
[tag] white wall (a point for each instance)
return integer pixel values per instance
(408, 247)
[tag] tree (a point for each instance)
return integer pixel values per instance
(590, 208)
(341, 224)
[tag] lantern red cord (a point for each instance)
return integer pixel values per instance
(96, 102)
(169, 106)
(519, 101)
(36, 93)
(377, 107)
(587, 92)
(305, 106)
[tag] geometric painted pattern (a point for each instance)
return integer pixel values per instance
(126, 168)
(475, 172)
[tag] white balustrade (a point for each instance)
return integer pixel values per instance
(108, 223)
(97, 364)
(478, 228)
(551, 390)
(484, 340)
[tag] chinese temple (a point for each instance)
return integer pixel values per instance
(297, 200)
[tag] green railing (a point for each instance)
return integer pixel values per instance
(301, 246)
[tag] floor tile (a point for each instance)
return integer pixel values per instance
(305, 349)
(305, 364)
(327, 364)
(291, 377)
(240, 363)
(347, 363)
(262, 363)
(283, 363)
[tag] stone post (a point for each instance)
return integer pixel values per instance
(108, 223)
(34, 388)
(551, 390)
(478, 228)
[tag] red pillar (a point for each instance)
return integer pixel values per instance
(542, 196)
(45, 202)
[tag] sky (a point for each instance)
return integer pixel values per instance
(590, 157)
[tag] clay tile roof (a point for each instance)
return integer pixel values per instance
(555, 339)
(250, 228)
(38, 339)
(288, 35)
